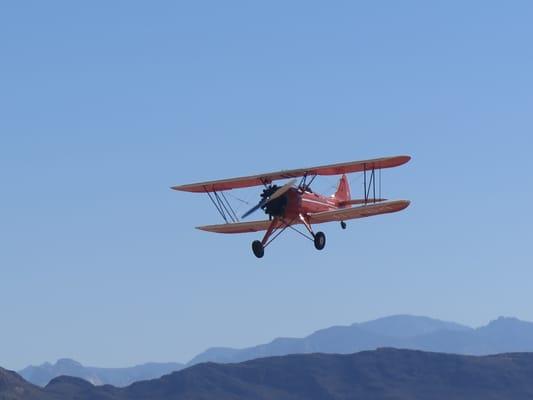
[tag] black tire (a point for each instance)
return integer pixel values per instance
(258, 249)
(320, 240)
(343, 225)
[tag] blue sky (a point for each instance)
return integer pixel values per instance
(107, 104)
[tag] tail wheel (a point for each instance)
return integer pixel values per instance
(343, 225)
(320, 240)
(258, 249)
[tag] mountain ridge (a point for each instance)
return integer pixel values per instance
(505, 334)
(382, 374)
(368, 331)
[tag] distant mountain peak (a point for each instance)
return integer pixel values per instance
(67, 363)
(405, 325)
(506, 323)
(504, 320)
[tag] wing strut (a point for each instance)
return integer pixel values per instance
(304, 185)
(370, 185)
(223, 206)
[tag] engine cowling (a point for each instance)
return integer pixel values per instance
(276, 207)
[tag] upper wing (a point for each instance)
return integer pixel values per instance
(239, 227)
(345, 214)
(331, 169)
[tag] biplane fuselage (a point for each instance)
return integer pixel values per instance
(307, 202)
(290, 205)
(312, 203)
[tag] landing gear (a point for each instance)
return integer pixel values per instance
(258, 249)
(258, 246)
(343, 225)
(320, 240)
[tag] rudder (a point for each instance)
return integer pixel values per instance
(343, 190)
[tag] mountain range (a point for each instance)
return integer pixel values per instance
(44, 373)
(399, 331)
(383, 374)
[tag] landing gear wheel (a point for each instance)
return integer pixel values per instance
(258, 249)
(320, 240)
(343, 225)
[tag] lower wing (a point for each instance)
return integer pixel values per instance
(239, 227)
(343, 214)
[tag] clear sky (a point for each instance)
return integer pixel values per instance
(104, 105)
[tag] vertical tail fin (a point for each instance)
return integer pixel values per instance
(343, 190)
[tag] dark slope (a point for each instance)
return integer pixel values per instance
(68, 387)
(385, 374)
(14, 387)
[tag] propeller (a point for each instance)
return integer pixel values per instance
(278, 193)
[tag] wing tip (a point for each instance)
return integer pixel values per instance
(181, 188)
(405, 158)
(186, 188)
(404, 204)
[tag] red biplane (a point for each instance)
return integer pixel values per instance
(290, 204)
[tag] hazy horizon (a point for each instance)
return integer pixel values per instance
(254, 344)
